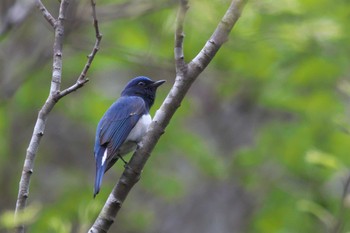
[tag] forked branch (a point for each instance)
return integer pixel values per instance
(54, 95)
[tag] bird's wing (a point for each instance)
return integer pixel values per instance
(112, 130)
(118, 121)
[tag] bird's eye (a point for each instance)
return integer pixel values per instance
(142, 84)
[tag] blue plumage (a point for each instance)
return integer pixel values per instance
(123, 125)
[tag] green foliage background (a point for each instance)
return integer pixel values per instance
(269, 118)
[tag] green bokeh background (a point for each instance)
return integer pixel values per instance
(260, 144)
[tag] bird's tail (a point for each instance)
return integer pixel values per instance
(100, 169)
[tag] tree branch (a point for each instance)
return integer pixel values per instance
(162, 117)
(47, 15)
(82, 79)
(180, 64)
(40, 124)
(52, 99)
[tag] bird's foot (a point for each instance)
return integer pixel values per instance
(121, 158)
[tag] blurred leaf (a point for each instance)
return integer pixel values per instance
(299, 34)
(344, 86)
(58, 225)
(26, 217)
(318, 211)
(87, 212)
(280, 7)
(316, 157)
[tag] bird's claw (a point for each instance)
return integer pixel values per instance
(121, 158)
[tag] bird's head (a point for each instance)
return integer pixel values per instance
(143, 87)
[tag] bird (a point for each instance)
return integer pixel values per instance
(123, 125)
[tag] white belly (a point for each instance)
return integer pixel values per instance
(139, 129)
(135, 135)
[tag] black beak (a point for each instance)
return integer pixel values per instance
(157, 83)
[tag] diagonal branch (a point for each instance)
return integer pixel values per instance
(163, 116)
(47, 15)
(82, 79)
(180, 64)
(52, 99)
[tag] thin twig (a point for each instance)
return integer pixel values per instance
(82, 79)
(97, 30)
(47, 15)
(161, 119)
(180, 64)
